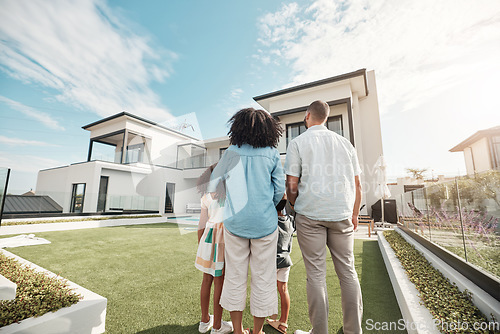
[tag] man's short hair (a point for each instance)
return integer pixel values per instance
(319, 110)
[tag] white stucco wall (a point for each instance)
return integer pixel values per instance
(330, 92)
(368, 137)
(469, 161)
(127, 185)
(481, 154)
(52, 182)
(299, 117)
(366, 123)
(58, 184)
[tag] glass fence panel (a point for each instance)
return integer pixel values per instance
(414, 211)
(444, 216)
(139, 203)
(480, 209)
(461, 216)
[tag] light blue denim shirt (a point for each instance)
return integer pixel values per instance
(255, 183)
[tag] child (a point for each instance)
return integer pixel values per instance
(210, 255)
(283, 263)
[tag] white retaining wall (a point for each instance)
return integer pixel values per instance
(87, 316)
(419, 320)
(484, 301)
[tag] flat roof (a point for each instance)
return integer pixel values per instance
(475, 137)
(127, 114)
(360, 72)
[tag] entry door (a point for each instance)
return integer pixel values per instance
(103, 192)
(169, 198)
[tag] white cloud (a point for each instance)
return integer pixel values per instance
(40, 116)
(85, 52)
(23, 142)
(236, 93)
(418, 48)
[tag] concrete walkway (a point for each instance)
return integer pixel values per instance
(361, 233)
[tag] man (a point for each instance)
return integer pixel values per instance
(323, 186)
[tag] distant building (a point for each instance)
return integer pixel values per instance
(154, 168)
(481, 150)
(407, 184)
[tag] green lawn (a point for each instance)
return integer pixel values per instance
(147, 274)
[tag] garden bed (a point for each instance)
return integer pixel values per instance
(46, 303)
(452, 309)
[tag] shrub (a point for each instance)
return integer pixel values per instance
(36, 293)
(444, 300)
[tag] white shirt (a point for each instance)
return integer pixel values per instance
(215, 210)
(326, 164)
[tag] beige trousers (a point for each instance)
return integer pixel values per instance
(314, 236)
(261, 255)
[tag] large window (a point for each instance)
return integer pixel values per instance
(333, 123)
(221, 151)
(135, 153)
(77, 197)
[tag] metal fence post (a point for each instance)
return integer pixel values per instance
(428, 217)
(461, 220)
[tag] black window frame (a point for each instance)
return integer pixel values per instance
(326, 124)
(221, 151)
(73, 197)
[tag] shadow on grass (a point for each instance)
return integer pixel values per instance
(379, 302)
(178, 329)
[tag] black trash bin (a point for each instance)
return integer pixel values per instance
(390, 213)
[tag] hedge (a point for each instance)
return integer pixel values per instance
(36, 293)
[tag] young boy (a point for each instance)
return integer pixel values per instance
(283, 263)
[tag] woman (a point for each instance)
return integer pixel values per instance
(255, 183)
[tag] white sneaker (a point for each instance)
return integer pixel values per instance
(298, 331)
(225, 327)
(205, 326)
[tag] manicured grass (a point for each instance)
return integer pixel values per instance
(147, 274)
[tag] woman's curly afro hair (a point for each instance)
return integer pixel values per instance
(254, 127)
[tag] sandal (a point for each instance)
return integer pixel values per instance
(276, 325)
(251, 332)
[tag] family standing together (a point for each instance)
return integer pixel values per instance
(244, 224)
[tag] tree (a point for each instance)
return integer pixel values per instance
(416, 173)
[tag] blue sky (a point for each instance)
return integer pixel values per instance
(66, 64)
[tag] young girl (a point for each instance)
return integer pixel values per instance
(210, 255)
(254, 182)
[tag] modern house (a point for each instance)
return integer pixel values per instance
(354, 114)
(149, 167)
(481, 150)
